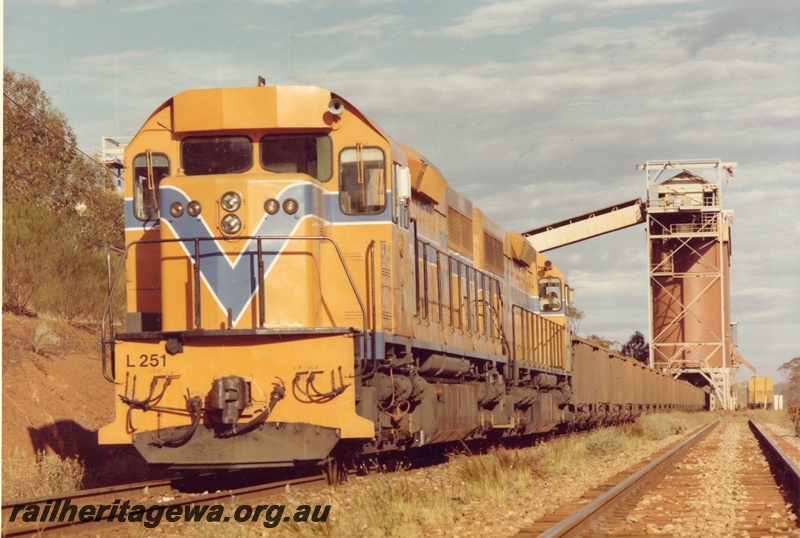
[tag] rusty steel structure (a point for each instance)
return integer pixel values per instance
(689, 244)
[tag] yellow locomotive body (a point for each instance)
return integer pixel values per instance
(298, 282)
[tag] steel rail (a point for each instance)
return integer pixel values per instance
(87, 496)
(788, 469)
(241, 495)
(586, 516)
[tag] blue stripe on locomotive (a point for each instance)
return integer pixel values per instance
(235, 284)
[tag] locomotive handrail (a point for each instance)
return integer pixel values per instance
(109, 307)
(373, 344)
(528, 328)
(261, 306)
(467, 314)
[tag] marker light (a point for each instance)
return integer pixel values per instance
(290, 206)
(230, 201)
(231, 224)
(194, 208)
(272, 206)
(176, 209)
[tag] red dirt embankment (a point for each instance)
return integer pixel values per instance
(54, 395)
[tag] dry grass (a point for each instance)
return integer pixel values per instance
(662, 425)
(562, 454)
(783, 418)
(492, 475)
(26, 476)
(421, 502)
(44, 337)
(409, 504)
(397, 504)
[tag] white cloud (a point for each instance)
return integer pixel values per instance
(738, 18)
(58, 4)
(151, 5)
(274, 2)
(499, 18)
(514, 16)
(125, 5)
(376, 25)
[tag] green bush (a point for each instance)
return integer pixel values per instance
(47, 270)
(794, 416)
(663, 425)
(605, 442)
(60, 211)
(32, 243)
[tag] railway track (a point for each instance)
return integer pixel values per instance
(160, 493)
(728, 479)
(244, 488)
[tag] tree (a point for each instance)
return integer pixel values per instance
(791, 371)
(637, 347)
(42, 166)
(37, 145)
(97, 214)
(60, 210)
(28, 231)
(603, 342)
(574, 316)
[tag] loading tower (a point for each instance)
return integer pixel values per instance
(689, 244)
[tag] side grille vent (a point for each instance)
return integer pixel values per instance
(459, 232)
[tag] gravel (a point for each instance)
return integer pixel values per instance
(468, 516)
(713, 492)
(787, 435)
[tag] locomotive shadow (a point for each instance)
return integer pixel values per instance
(104, 465)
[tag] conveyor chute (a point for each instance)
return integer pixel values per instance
(586, 226)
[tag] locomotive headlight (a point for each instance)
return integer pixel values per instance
(272, 206)
(193, 208)
(231, 224)
(176, 209)
(230, 201)
(290, 206)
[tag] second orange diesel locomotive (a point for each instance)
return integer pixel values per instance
(300, 284)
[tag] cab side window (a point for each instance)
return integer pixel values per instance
(550, 294)
(362, 181)
(148, 171)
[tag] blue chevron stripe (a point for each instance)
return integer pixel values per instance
(234, 284)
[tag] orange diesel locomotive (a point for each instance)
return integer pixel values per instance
(299, 284)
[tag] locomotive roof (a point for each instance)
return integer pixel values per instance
(209, 109)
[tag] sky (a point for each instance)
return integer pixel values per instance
(538, 110)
